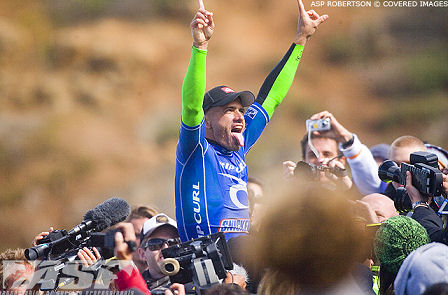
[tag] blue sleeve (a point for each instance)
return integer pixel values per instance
(256, 119)
(189, 139)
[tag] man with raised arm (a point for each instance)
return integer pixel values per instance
(216, 134)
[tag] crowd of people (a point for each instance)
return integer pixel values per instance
(335, 228)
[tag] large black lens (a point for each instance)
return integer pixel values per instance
(389, 171)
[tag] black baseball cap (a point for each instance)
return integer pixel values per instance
(222, 95)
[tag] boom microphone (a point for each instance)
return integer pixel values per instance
(106, 214)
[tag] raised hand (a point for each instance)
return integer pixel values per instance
(308, 22)
(202, 27)
(337, 131)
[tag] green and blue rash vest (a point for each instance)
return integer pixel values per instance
(211, 181)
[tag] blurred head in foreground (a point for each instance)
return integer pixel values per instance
(309, 242)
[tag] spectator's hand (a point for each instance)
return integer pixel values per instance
(344, 183)
(122, 250)
(337, 131)
(308, 21)
(202, 27)
(235, 279)
(364, 210)
(176, 289)
(413, 193)
(288, 169)
(87, 257)
(42, 235)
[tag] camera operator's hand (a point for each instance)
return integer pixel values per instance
(337, 131)
(87, 257)
(122, 249)
(413, 193)
(176, 289)
(42, 235)
(288, 169)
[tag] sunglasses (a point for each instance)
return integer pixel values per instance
(157, 243)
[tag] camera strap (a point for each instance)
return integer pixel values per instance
(312, 148)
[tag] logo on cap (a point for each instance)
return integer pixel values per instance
(227, 89)
(162, 219)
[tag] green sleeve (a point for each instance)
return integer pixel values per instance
(278, 82)
(193, 89)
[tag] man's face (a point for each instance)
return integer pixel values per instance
(153, 258)
(225, 125)
(326, 147)
(403, 154)
(257, 208)
(138, 225)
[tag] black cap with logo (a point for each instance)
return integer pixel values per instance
(222, 95)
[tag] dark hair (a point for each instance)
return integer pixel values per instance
(226, 289)
(437, 289)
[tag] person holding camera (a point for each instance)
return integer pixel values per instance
(424, 214)
(216, 134)
(159, 232)
(332, 149)
(129, 278)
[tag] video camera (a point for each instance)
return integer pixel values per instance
(58, 250)
(202, 261)
(311, 171)
(426, 177)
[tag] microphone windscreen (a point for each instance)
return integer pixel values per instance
(108, 213)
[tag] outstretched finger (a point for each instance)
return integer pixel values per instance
(302, 9)
(201, 4)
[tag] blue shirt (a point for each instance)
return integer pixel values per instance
(211, 191)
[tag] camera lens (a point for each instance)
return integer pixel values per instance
(389, 171)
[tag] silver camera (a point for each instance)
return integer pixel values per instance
(318, 125)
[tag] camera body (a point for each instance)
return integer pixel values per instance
(318, 125)
(202, 261)
(426, 177)
(312, 172)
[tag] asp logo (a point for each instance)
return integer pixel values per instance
(52, 274)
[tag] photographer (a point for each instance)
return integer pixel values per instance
(129, 277)
(400, 151)
(159, 232)
(423, 214)
(328, 145)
